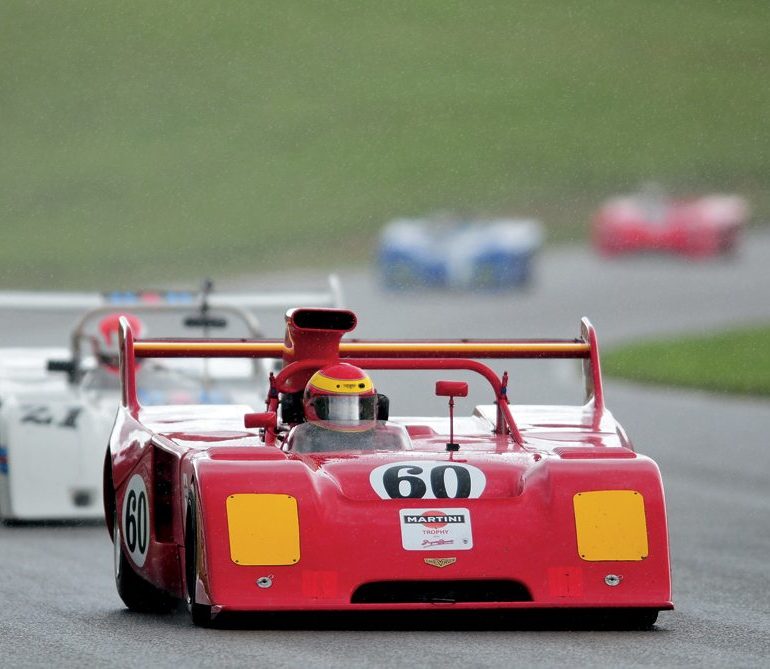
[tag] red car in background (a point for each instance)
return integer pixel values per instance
(696, 227)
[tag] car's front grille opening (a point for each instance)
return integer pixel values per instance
(440, 592)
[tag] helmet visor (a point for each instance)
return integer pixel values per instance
(346, 409)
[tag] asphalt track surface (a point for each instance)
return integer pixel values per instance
(58, 604)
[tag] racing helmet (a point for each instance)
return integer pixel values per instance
(341, 397)
(107, 349)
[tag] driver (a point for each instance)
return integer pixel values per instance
(106, 375)
(340, 405)
(107, 352)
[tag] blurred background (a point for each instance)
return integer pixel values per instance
(265, 144)
(151, 142)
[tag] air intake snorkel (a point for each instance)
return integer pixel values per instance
(313, 334)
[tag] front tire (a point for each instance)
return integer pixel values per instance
(137, 594)
(200, 613)
(622, 619)
(638, 619)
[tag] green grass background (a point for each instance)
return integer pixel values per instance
(149, 141)
(733, 361)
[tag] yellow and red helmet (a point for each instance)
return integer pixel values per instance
(341, 397)
(109, 326)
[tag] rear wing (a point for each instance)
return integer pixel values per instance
(378, 354)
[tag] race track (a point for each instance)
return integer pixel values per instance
(59, 605)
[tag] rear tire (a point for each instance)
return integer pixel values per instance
(137, 594)
(200, 613)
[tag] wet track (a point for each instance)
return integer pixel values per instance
(59, 604)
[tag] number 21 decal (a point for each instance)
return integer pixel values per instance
(420, 479)
(136, 520)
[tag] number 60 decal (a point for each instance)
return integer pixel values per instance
(421, 479)
(136, 520)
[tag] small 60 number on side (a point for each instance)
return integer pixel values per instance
(136, 520)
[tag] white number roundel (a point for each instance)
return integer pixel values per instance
(420, 479)
(136, 520)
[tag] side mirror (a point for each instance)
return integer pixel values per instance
(61, 366)
(266, 419)
(204, 322)
(451, 389)
(66, 366)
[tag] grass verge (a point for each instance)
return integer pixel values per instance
(143, 141)
(734, 361)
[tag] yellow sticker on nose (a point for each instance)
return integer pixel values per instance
(263, 529)
(611, 525)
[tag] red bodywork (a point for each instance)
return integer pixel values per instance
(515, 538)
(698, 227)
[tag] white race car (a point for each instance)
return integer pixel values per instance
(57, 405)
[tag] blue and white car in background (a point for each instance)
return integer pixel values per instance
(58, 404)
(492, 254)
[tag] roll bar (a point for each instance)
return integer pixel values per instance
(380, 354)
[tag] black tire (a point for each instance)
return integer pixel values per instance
(200, 613)
(638, 619)
(622, 619)
(136, 593)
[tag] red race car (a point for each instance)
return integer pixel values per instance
(324, 502)
(697, 227)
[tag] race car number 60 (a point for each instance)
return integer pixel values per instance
(427, 480)
(136, 520)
